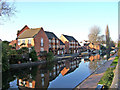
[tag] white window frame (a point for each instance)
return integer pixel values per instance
(41, 49)
(29, 41)
(23, 41)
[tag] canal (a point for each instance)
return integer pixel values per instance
(60, 74)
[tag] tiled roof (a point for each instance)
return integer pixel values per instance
(29, 33)
(51, 35)
(61, 43)
(79, 44)
(69, 38)
(12, 42)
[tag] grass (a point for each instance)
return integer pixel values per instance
(114, 63)
(107, 78)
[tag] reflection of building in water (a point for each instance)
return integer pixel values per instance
(28, 84)
(43, 76)
(91, 58)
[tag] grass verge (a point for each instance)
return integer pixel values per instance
(107, 78)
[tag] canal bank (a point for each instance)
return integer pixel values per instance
(92, 80)
(57, 58)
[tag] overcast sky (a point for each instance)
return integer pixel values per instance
(70, 18)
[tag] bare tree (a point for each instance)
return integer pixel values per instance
(94, 34)
(7, 9)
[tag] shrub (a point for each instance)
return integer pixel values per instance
(50, 56)
(33, 55)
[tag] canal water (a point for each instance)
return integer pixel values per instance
(60, 74)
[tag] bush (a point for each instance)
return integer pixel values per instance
(33, 55)
(50, 56)
(5, 55)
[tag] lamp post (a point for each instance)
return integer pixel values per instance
(29, 55)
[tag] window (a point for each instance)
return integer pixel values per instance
(49, 41)
(42, 75)
(23, 41)
(57, 41)
(42, 49)
(18, 42)
(50, 45)
(58, 52)
(42, 81)
(20, 82)
(53, 41)
(30, 84)
(41, 41)
(29, 41)
(50, 74)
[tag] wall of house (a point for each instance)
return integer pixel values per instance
(37, 41)
(20, 41)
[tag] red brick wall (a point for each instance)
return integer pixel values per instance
(37, 41)
(17, 46)
(67, 46)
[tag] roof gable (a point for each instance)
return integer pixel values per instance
(69, 38)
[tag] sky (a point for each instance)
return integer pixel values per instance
(70, 18)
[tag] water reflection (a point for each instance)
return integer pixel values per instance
(59, 74)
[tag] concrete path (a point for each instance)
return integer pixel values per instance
(93, 79)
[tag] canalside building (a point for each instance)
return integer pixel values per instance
(39, 39)
(71, 44)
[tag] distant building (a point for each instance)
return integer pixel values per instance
(71, 44)
(12, 43)
(84, 42)
(95, 46)
(0, 40)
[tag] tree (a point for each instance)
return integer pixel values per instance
(107, 42)
(94, 36)
(7, 9)
(5, 56)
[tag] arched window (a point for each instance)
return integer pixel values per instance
(41, 41)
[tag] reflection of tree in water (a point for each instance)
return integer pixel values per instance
(93, 65)
(6, 79)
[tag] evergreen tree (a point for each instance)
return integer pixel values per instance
(107, 42)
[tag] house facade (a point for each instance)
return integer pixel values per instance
(95, 46)
(71, 44)
(41, 40)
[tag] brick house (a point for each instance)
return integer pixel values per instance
(71, 44)
(40, 39)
